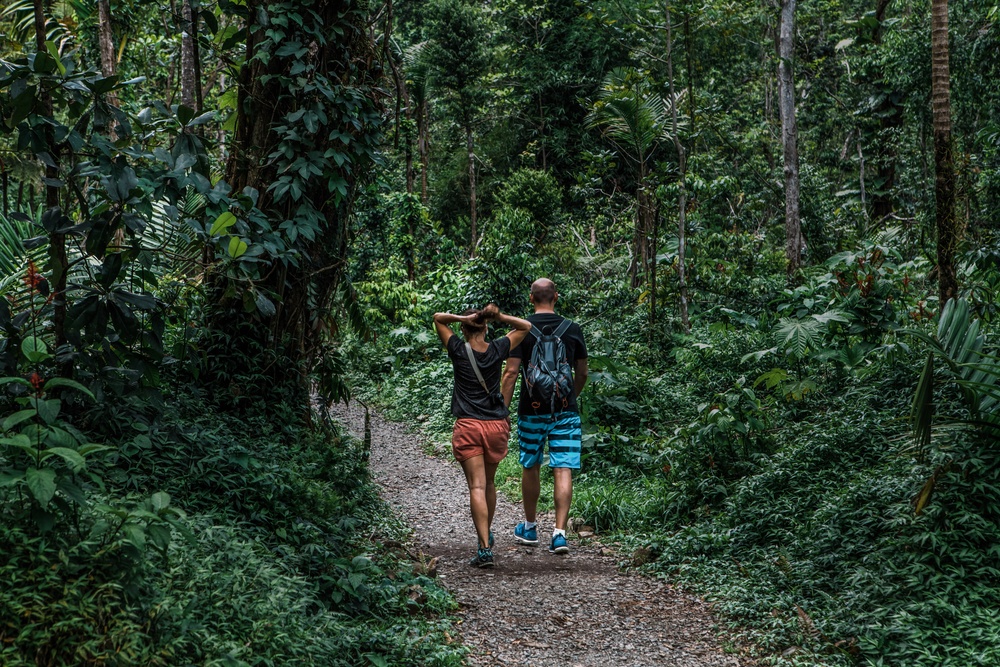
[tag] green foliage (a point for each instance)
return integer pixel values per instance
(537, 192)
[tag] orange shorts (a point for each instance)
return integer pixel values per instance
(475, 437)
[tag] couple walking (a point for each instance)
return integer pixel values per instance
(549, 353)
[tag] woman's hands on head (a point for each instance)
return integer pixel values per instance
(490, 313)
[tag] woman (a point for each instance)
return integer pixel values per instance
(482, 426)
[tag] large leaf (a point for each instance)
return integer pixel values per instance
(42, 484)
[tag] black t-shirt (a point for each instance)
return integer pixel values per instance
(468, 398)
(576, 349)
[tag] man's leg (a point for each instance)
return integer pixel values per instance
(531, 487)
(564, 458)
(563, 495)
(531, 432)
(475, 475)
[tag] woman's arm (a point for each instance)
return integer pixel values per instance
(443, 322)
(520, 328)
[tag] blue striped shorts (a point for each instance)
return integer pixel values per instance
(562, 430)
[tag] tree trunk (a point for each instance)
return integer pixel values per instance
(472, 182)
(303, 291)
(423, 148)
(944, 166)
(189, 81)
(890, 118)
(682, 179)
(789, 136)
(109, 65)
(57, 241)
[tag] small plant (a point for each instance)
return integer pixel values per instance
(44, 456)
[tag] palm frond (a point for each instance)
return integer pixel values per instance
(14, 253)
(959, 344)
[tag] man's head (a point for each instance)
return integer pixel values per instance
(543, 294)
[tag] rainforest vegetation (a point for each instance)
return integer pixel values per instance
(776, 222)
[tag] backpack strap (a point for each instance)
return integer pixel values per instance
(536, 332)
(475, 367)
(563, 328)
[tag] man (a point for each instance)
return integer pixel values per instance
(537, 423)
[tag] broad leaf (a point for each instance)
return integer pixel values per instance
(42, 484)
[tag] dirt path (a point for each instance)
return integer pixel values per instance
(534, 608)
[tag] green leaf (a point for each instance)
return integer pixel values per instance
(17, 418)
(136, 535)
(12, 380)
(222, 223)
(160, 500)
(72, 491)
(70, 456)
(265, 306)
(10, 477)
(49, 410)
(34, 349)
(53, 50)
(236, 247)
(92, 447)
(42, 484)
(159, 534)
(71, 384)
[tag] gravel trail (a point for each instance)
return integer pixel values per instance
(534, 608)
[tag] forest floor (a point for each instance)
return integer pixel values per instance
(534, 608)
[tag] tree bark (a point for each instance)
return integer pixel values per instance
(944, 166)
(789, 136)
(890, 118)
(304, 290)
(423, 147)
(189, 81)
(57, 241)
(109, 65)
(682, 180)
(472, 182)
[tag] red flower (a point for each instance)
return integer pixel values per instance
(36, 381)
(34, 276)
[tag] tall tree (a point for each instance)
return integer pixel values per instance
(308, 125)
(457, 52)
(190, 66)
(789, 135)
(58, 262)
(418, 81)
(109, 65)
(944, 164)
(681, 181)
(632, 116)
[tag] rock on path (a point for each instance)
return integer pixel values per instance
(534, 608)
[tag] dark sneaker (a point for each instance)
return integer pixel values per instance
(483, 558)
(558, 545)
(524, 535)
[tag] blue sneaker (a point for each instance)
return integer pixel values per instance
(558, 545)
(483, 558)
(524, 535)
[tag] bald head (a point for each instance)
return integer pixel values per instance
(543, 292)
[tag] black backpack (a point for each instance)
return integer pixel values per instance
(548, 376)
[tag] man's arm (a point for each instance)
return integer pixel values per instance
(580, 376)
(509, 379)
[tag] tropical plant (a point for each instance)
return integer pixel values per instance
(960, 345)
(635, 119)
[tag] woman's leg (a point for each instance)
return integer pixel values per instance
(475, 475)
(491, 492)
